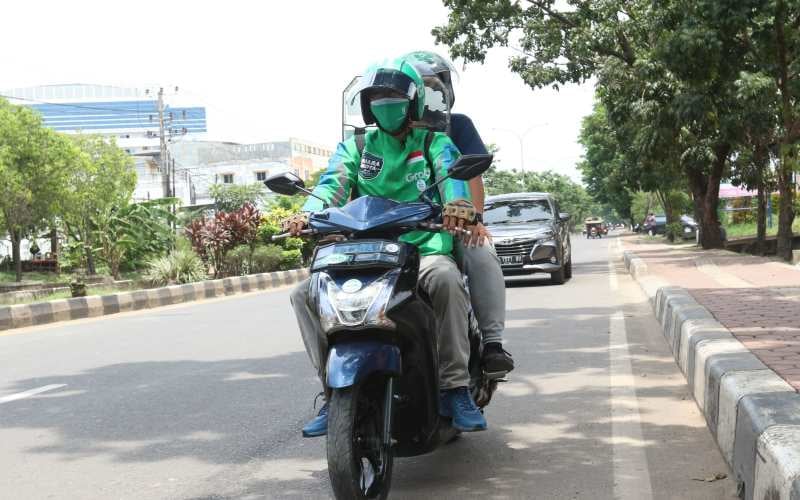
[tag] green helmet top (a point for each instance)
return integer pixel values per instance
(399, 76)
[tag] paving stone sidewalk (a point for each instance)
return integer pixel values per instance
(756, 298)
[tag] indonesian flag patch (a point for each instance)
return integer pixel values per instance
(415, 157)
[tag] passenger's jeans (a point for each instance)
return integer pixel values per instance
(441, 279)
(487, 287)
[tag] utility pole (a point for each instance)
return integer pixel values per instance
(163, 143)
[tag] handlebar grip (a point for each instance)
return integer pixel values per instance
(439, 227)
(282, 236)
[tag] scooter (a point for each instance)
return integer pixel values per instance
(382, 369)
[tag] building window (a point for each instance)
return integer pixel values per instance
(261, 176)
(227, 178)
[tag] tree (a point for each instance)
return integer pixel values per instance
(231, 197)
(35, 164)
(102, 184)
(665, 73)
(603, 166)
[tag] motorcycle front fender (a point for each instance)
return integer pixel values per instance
(351, 362)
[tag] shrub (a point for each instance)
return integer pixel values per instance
(673, 231)
(237, 261)
(177, 267)
(290, 259)
(266, 259)
(213, 238)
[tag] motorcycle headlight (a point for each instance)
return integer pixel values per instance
(353, 304)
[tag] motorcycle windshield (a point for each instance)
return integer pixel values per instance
(370, 213)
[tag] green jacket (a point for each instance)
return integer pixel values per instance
(395, 170)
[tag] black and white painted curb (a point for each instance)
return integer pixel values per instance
(22, 315)
(753, 413)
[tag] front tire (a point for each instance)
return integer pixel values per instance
(568, 269)
(558, 277)
(358, 465)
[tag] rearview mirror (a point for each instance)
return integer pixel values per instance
(287, 183)
(470, 166)
(564, 216)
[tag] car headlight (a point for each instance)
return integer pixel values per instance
(353, 304)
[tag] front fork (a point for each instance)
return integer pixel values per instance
(388, 408)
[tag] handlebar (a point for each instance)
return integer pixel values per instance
(424, 225)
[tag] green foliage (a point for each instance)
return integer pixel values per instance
(232, 197)
(178, 267)
(290, 259)
(237, 261)
(674, 231)
(35, 166)
(266, 258)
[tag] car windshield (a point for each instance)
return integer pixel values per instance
(517, 211)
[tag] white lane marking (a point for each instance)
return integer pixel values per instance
(612, 273)
(631, 470)
(32, 392)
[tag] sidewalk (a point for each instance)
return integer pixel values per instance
(733, 323)
(756, 298)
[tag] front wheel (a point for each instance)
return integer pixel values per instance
(568, 269)
(359, 462)
(558, 277)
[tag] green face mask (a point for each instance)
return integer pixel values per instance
(390, 112)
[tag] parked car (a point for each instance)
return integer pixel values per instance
(530, 233)
(689, 231)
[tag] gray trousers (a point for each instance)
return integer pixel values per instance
(488, 287)
(440, 278)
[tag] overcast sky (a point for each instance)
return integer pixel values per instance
(270, 70)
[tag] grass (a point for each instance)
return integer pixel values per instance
(65, 294)
(749, 229)
(40, 277)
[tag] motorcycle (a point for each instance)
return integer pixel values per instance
(382, 372)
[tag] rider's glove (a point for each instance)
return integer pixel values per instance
(295, 223)
(456, 215)
(460, 209)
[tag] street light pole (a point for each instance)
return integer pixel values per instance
(520, 137)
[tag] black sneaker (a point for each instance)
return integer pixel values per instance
(496, 359)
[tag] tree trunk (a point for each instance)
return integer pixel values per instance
(87, 248)
(16, 241)
(785, 205)
(54, 246)
(705, 189)
(761, 217)
(787, 151)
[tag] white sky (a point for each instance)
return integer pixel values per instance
(270, 70)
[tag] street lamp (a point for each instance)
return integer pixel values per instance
(520, 137)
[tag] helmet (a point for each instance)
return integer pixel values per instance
(397, 75)
(432, 64)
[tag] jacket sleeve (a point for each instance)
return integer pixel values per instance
(336, 183)
(443, 154)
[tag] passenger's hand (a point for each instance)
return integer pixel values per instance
(295, 224)
(478, 237)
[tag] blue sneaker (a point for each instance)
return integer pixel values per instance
(318, 426)
(458, 404)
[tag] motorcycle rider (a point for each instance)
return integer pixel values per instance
(395, 165)
(476, 254)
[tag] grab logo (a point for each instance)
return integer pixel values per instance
(417, 176)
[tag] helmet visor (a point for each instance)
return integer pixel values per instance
(389, 79)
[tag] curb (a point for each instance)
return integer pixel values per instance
(753, 414)
(40, 313)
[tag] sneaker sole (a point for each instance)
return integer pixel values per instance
(469, 429)
(314, 434)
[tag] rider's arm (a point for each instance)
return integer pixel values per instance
(338, 180)
(443, 154)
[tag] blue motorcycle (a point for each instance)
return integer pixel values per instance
(382, 362)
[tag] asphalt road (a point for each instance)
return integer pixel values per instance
(205, 401)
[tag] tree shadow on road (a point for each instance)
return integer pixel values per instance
(244, 414)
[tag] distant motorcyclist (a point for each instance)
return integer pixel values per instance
(396, 164)
(477, 255)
